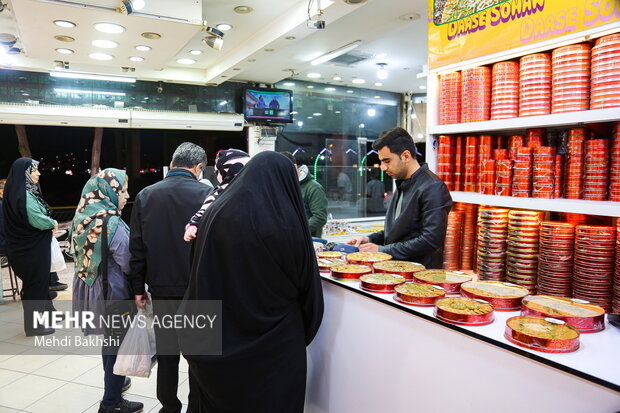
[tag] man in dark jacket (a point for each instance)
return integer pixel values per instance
(2, 242)
(314, 197)
(161, 259)
(416, 220)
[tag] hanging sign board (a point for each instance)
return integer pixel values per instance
(465, 29)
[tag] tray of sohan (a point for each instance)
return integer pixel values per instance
(404, 268)
(464, 311)
(582, 315)
(449, 280)
(381, 282)
(421, 295)
(548, 335)
(329, 254)
(350, 272)
(325, 264)
(503, 296)
(367, 258)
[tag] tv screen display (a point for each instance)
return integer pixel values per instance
(263, 105)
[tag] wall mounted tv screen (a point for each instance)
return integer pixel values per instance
(262, 105)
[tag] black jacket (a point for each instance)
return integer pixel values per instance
(159, 256)
(419, 232)
(2, 242)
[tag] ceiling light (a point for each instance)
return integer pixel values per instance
(130, 6)
(290, 38)
(330, 89)
(423, 87)
(100, 56)
(309, 117)
(372, 112)
(289, 84)
(362, 126)
(63, 38)
(104, 44)
(310, 87)
(109, 28)
(195, 52)
(336, 52)
(378, 84)
(358, 81)
(337, 78)
(313, 75)
(143, 48)
(317, 114)
(300, 124)
(185, 61)
(89, 92)
(381, 56)
(64, 51)
(243, 9)
(236, 68)
(151, 35)
(223, 27)
(251, 60)
(93, 76)
(214, 38)
(377, 97)
(270, 50)
(349, 91)
(294, 113)
(64, 23)
(337, 111)
(222, 103)
(136, 59)
(382, 73)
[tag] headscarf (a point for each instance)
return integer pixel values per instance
(33, 188)
(228, 163)
(99, 202)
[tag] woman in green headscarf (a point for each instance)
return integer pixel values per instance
(103, 198)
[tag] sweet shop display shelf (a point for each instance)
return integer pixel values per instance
(577, 206)
(571, 119)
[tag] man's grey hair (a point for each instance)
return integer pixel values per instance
(188, 155)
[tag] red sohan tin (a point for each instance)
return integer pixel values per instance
(380, 283)
(464, 311)
(580, 314)
(547, 335)
(421, 295)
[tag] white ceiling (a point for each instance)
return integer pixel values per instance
(256, 49)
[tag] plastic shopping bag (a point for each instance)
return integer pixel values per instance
(58, 261)
(136, 354)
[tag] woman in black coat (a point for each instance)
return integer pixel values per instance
(254, 253)
(28, 230)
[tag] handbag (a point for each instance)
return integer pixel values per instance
(58, 260)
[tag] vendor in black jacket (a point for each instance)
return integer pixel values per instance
(416, 220)
(161, 259)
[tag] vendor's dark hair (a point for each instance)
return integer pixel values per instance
(397, 140)
(289, 156)
(188, 155)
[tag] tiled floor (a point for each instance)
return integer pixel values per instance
(50, 383)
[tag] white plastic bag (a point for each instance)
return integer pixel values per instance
(136, 355)
(58, 260)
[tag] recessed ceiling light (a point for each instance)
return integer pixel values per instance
(185, 61)
(358, 81)
(289, 84)
(143, 48)
(337, 111)
(195, 52)
(109, 28)
(290, 37)
(236, 68)
(317, 114)
(330, 89)
(100, 56)
(64, 51)
(423, 87)
(136, 59)
(64, 23)
(377, 97)
(381, 56)
(309, 117)
(251, 60)
(349, 91)
(62, 38)
(313, 75)
(337, 78)
(294, 113)
(243, 9)
(223, 27)
(378, 84)
(310, 87)
(151, 35)
(372, 112)
(270, 50)
(105, 44)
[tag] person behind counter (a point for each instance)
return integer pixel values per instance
(254, 253)
(416, 219)
(314, 197)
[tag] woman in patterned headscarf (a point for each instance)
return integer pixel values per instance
(99, 210)
(228, 164)
(28, 232)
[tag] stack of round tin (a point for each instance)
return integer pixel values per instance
(450, 98)
(485, 154)
(575, 219)
(471, 163)
(614, 176)
(594, 264)
(555, 259)
(458, 163)
(515, 142)
(503, 177)
(522, 173)
(522, 251)
(452, 245)
(596, 170)
(468, 239)
(543, 172)
(487, 177)
(492, 232)
(558, 178)
(571, 78)
(445, 161)
(505, 90)
(573, 186)
(535, 81)
(616, 301)
(535, 138)
(476, 94)
(605, 79)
